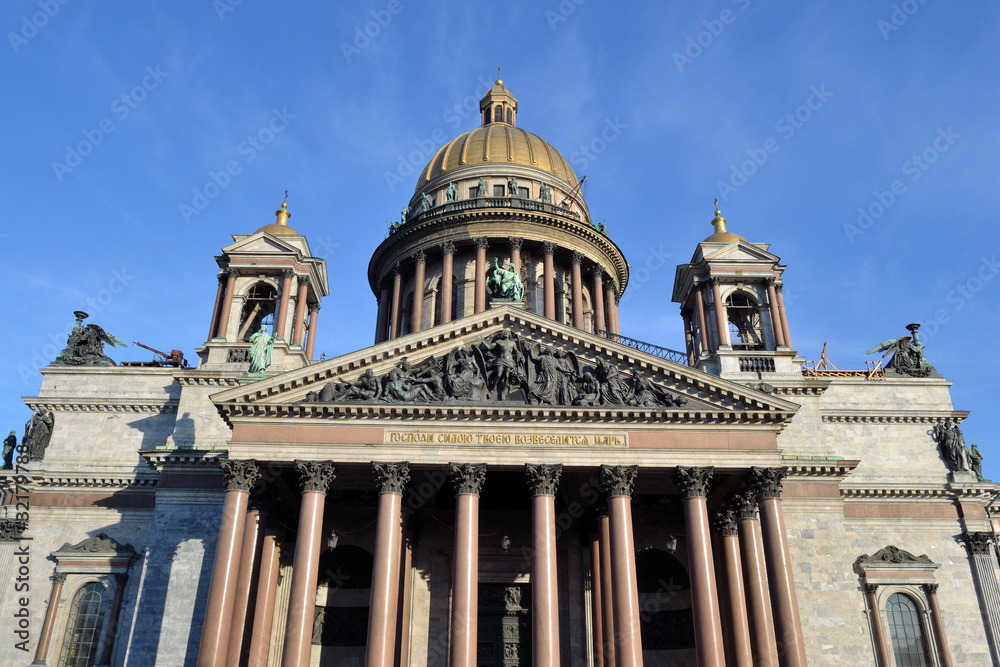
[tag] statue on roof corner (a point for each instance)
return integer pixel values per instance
(907, 355)
(85, 345)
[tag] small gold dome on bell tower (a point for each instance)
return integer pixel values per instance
(280, 228)
(721, 235)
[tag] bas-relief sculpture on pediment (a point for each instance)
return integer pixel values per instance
(503, 367)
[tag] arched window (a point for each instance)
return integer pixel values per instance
(908, 646)
(258, 309)
(745, 331)
(510, 116)
(498, 113)
(486, 116)
(83, 628)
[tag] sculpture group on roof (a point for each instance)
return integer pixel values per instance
(503, 367)
(907, 355)
(85, 345)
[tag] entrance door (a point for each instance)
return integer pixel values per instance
(504, 625)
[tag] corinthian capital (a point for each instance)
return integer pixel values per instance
(724, 522)
(240, 475)
(315, 475)
(542, 478)
(468, 477)
(618, 480)
(391, 477)
(693, 482)
(482, 242)
(744, 503)
(767, 481)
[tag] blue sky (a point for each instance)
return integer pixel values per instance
(796, 115)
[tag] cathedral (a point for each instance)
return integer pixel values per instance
(504, 478)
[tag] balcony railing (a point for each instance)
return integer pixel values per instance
(662, 352)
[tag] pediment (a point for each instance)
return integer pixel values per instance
(740, 251)
(504, 362)
(261, 243)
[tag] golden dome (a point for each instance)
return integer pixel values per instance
(280, 228)
(497, 144)
(721, 235)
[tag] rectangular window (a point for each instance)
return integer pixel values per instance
(524, 193)
(472, 192)
(498, 191)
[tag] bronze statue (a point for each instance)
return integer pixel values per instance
(907, 355)
(451, 193)
(37, 433)
(506, 364)
(952, 443)
(481, 188)
(85, 345)
(426, 202)
(512, 188)
(975, 458)
(261, 344)
(504, 283)
(404, 214)
(545, 193)
(8, 450)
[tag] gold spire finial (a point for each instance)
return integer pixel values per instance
(718, 221)
(282, 213)
(498, 76)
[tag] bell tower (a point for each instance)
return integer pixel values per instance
(267, 279)
(730, 294)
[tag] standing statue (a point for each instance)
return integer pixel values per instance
(481, 187)
(426, 202)
(952, 443)
(393, 226)
(614, 389)
(451, 194)
(545, 193)
(554, 380)
(8, 450)
(404, 214)
(512, 187)
(261, 344)
(505, 283)
(85, 345)
(506, 365)
(37, 433)
(907, 354)
(975, 458)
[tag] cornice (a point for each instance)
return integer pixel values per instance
(208, 380)
(160, 459)
(799, 468)
(893, 416)
(76, 404)
(48, 481)
(910, 492)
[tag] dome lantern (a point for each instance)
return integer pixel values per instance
(498, 105)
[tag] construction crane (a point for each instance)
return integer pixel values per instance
(175, 358)
(568, 201)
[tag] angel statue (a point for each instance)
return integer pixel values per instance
(505, 283)
(85, 345)
(907, 354)
(555, 380)
(949, 437)
(506, 364)
(261, 344)
(37, 433)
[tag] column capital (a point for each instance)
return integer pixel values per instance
(543, 478)
(240, 475)
(772, 281)
(420, 257)
(548, 248)
(618, 480)
(397, 269)
(288, 273)
(778, 286)
(693, 482)
(468, 477)
(314, 307)
(612, 285)
(12, 530)
(304, 280)
(597, 271)
(59, 577)
(223, 276)
(725, 522)
(930, 589)
(391, 477)
(448, 248)
(576, 257)
(744, 503)
(715, 281)
(233, 273)
(515, 242)
(315, 475)
(482, 243)
(978, 543)
(767, 481)
(871, 589)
